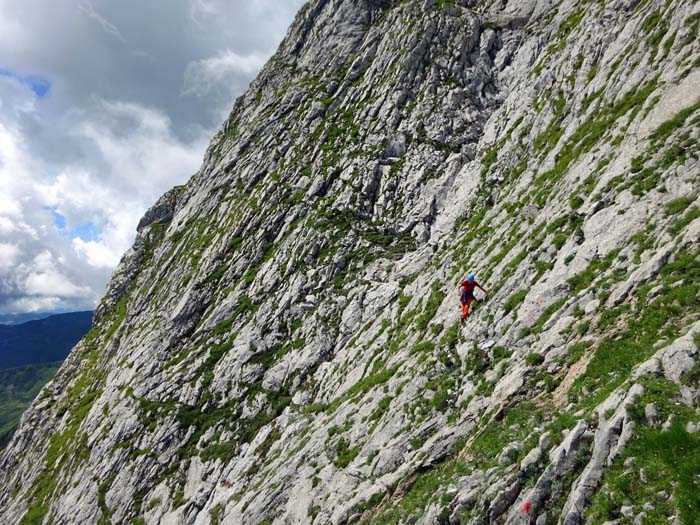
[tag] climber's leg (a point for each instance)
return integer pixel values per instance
(466, 307)
(467, 299)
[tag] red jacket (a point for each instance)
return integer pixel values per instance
(469, 286)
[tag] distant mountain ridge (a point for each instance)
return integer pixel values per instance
(15, 319)
(42, 341)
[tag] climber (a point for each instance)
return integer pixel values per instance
(466, 294)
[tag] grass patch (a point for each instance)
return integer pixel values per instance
(668, 127)
(595, 268)
(514, 300)
(514, 426)
(654, 461)
(678, 205)
(345, 454)
(616, 355)
(692, 214)
(431, 306)
(534, 359)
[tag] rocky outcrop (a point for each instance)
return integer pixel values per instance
(282, 343)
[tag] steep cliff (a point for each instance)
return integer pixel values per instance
(282, 343)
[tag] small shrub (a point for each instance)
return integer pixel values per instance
(436, 329)
(692, 214)
(425, 346)
(451, 336)
(534, 359)
(576, 201)
(559, 240)
(675, 122)
(344, 453)
(576, 351)
(637, 164)
(499, 353)
(514, 300)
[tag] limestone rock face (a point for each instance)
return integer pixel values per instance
(282, 343)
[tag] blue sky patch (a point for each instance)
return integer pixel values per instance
(86, 231)
(38, 84)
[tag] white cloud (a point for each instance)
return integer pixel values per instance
(88, 9)
(34, 304)
(134, 157)
(8, 205)
(203, 8)
(8, 254)
(97, 254)
(45, 279)
(128, 115)
(6, 225)
(221, 70)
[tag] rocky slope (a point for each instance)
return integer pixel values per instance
(282, 345)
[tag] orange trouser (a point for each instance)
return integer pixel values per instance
(465, 308)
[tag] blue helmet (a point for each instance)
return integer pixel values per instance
(471, 278)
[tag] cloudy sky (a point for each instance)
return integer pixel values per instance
(103, 107)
